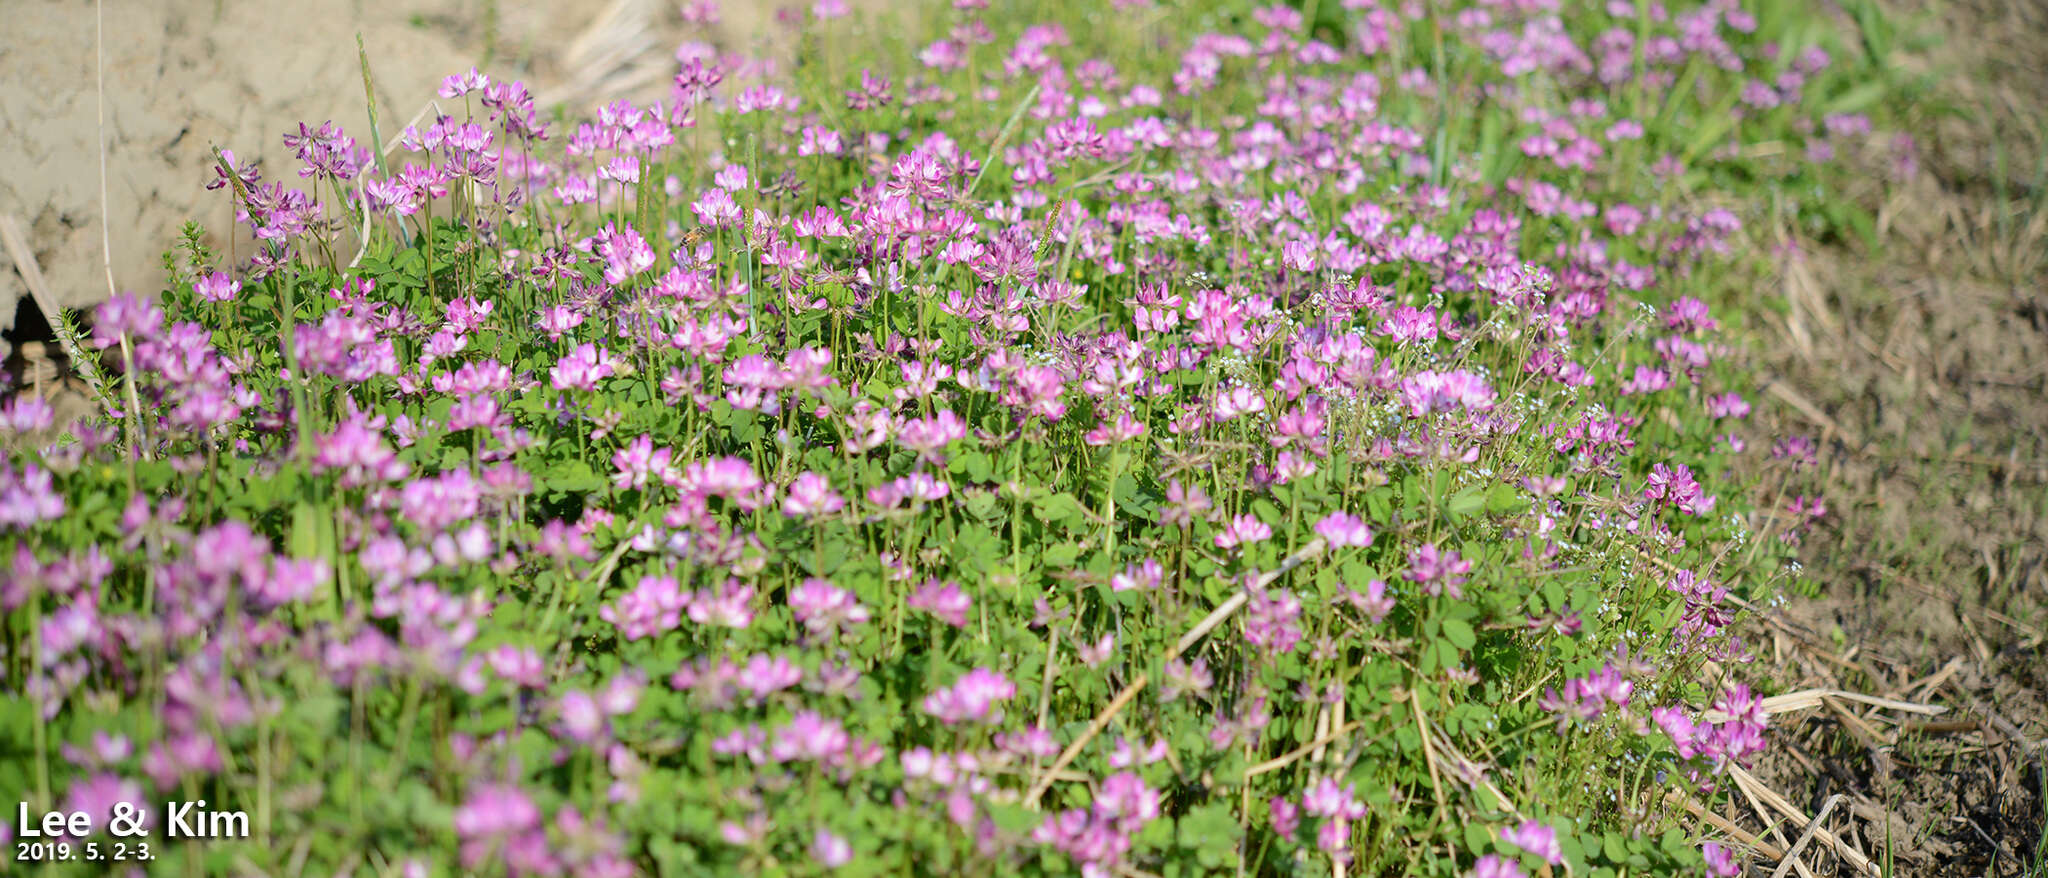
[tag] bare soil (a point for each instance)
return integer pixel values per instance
(183, 76)
(1922, 368)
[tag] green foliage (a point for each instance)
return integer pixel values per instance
(566, 580)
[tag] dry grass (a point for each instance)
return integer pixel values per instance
(1921, 366)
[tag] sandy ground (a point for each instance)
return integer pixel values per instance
(184, 75)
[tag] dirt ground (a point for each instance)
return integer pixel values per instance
(182, 76)
(1922, 369)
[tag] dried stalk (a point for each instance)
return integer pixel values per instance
(1216, 617)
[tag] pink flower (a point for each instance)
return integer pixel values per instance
(1334, 838)
(1676, 487)
(289, 581)
(1242, 530)
(1326, 799)
(745, 834)
(1688, 315)
(1093, 655)
(917, 488)
(181, 755)
(1537, 839)
(1427, 392)
(100, 794)
(1493, 866)
(359, 453)
(929, 436)
(729, 606)
(653, 607)
(1727, 405)
(26, 413)
(1183, 505)
(582, 719)
(624, 169)
(1286, 816)
(944, 600)
(557, 320)
(126, 315)
(729, 477)
(639, 462)
(464, 315)
(1721, 860)
(436, 504)
(582, 368)
(765, 675)
(810, 737)
(1124, 798)
(1272, 621)
(459, 84)
(1374, 601)
(1646, 380)
(970, 698)
(823, 607)
(624, 252)
(1147, 574)
(1438, 571)
(731, 177)
(1238, 401)
(1123, 429)
(518, 665)
(811, 495)
(216, 287)
(499, 821)
(1298, 255)
(1182, 677)
(1344, 529)
(831, 851)
(716, 208)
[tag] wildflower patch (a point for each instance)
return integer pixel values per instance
(1230, 441)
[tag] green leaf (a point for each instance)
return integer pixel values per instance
(1061, 555)
(572, 476)
(1708, 134)
(1014, 818)
(1268, 512)
(1857, 99)
(1874, 29)
(1061, 507)
(1379, 505)
(1478, 838)
(305, 536)
(1446, 654)
(974, 465)
(1614, 847)
(980, 504)
(1466, 502)
(1212, 831)
(1460, 634)
(1673, 842)
(1505, 499)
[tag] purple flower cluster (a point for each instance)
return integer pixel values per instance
(874, 412)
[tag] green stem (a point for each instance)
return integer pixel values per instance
(403, 746)
(289, 330)
(138, 443)
(427, 234)
(265, 781)
(42, 732)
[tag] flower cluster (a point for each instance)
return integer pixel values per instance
(1030, 452)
